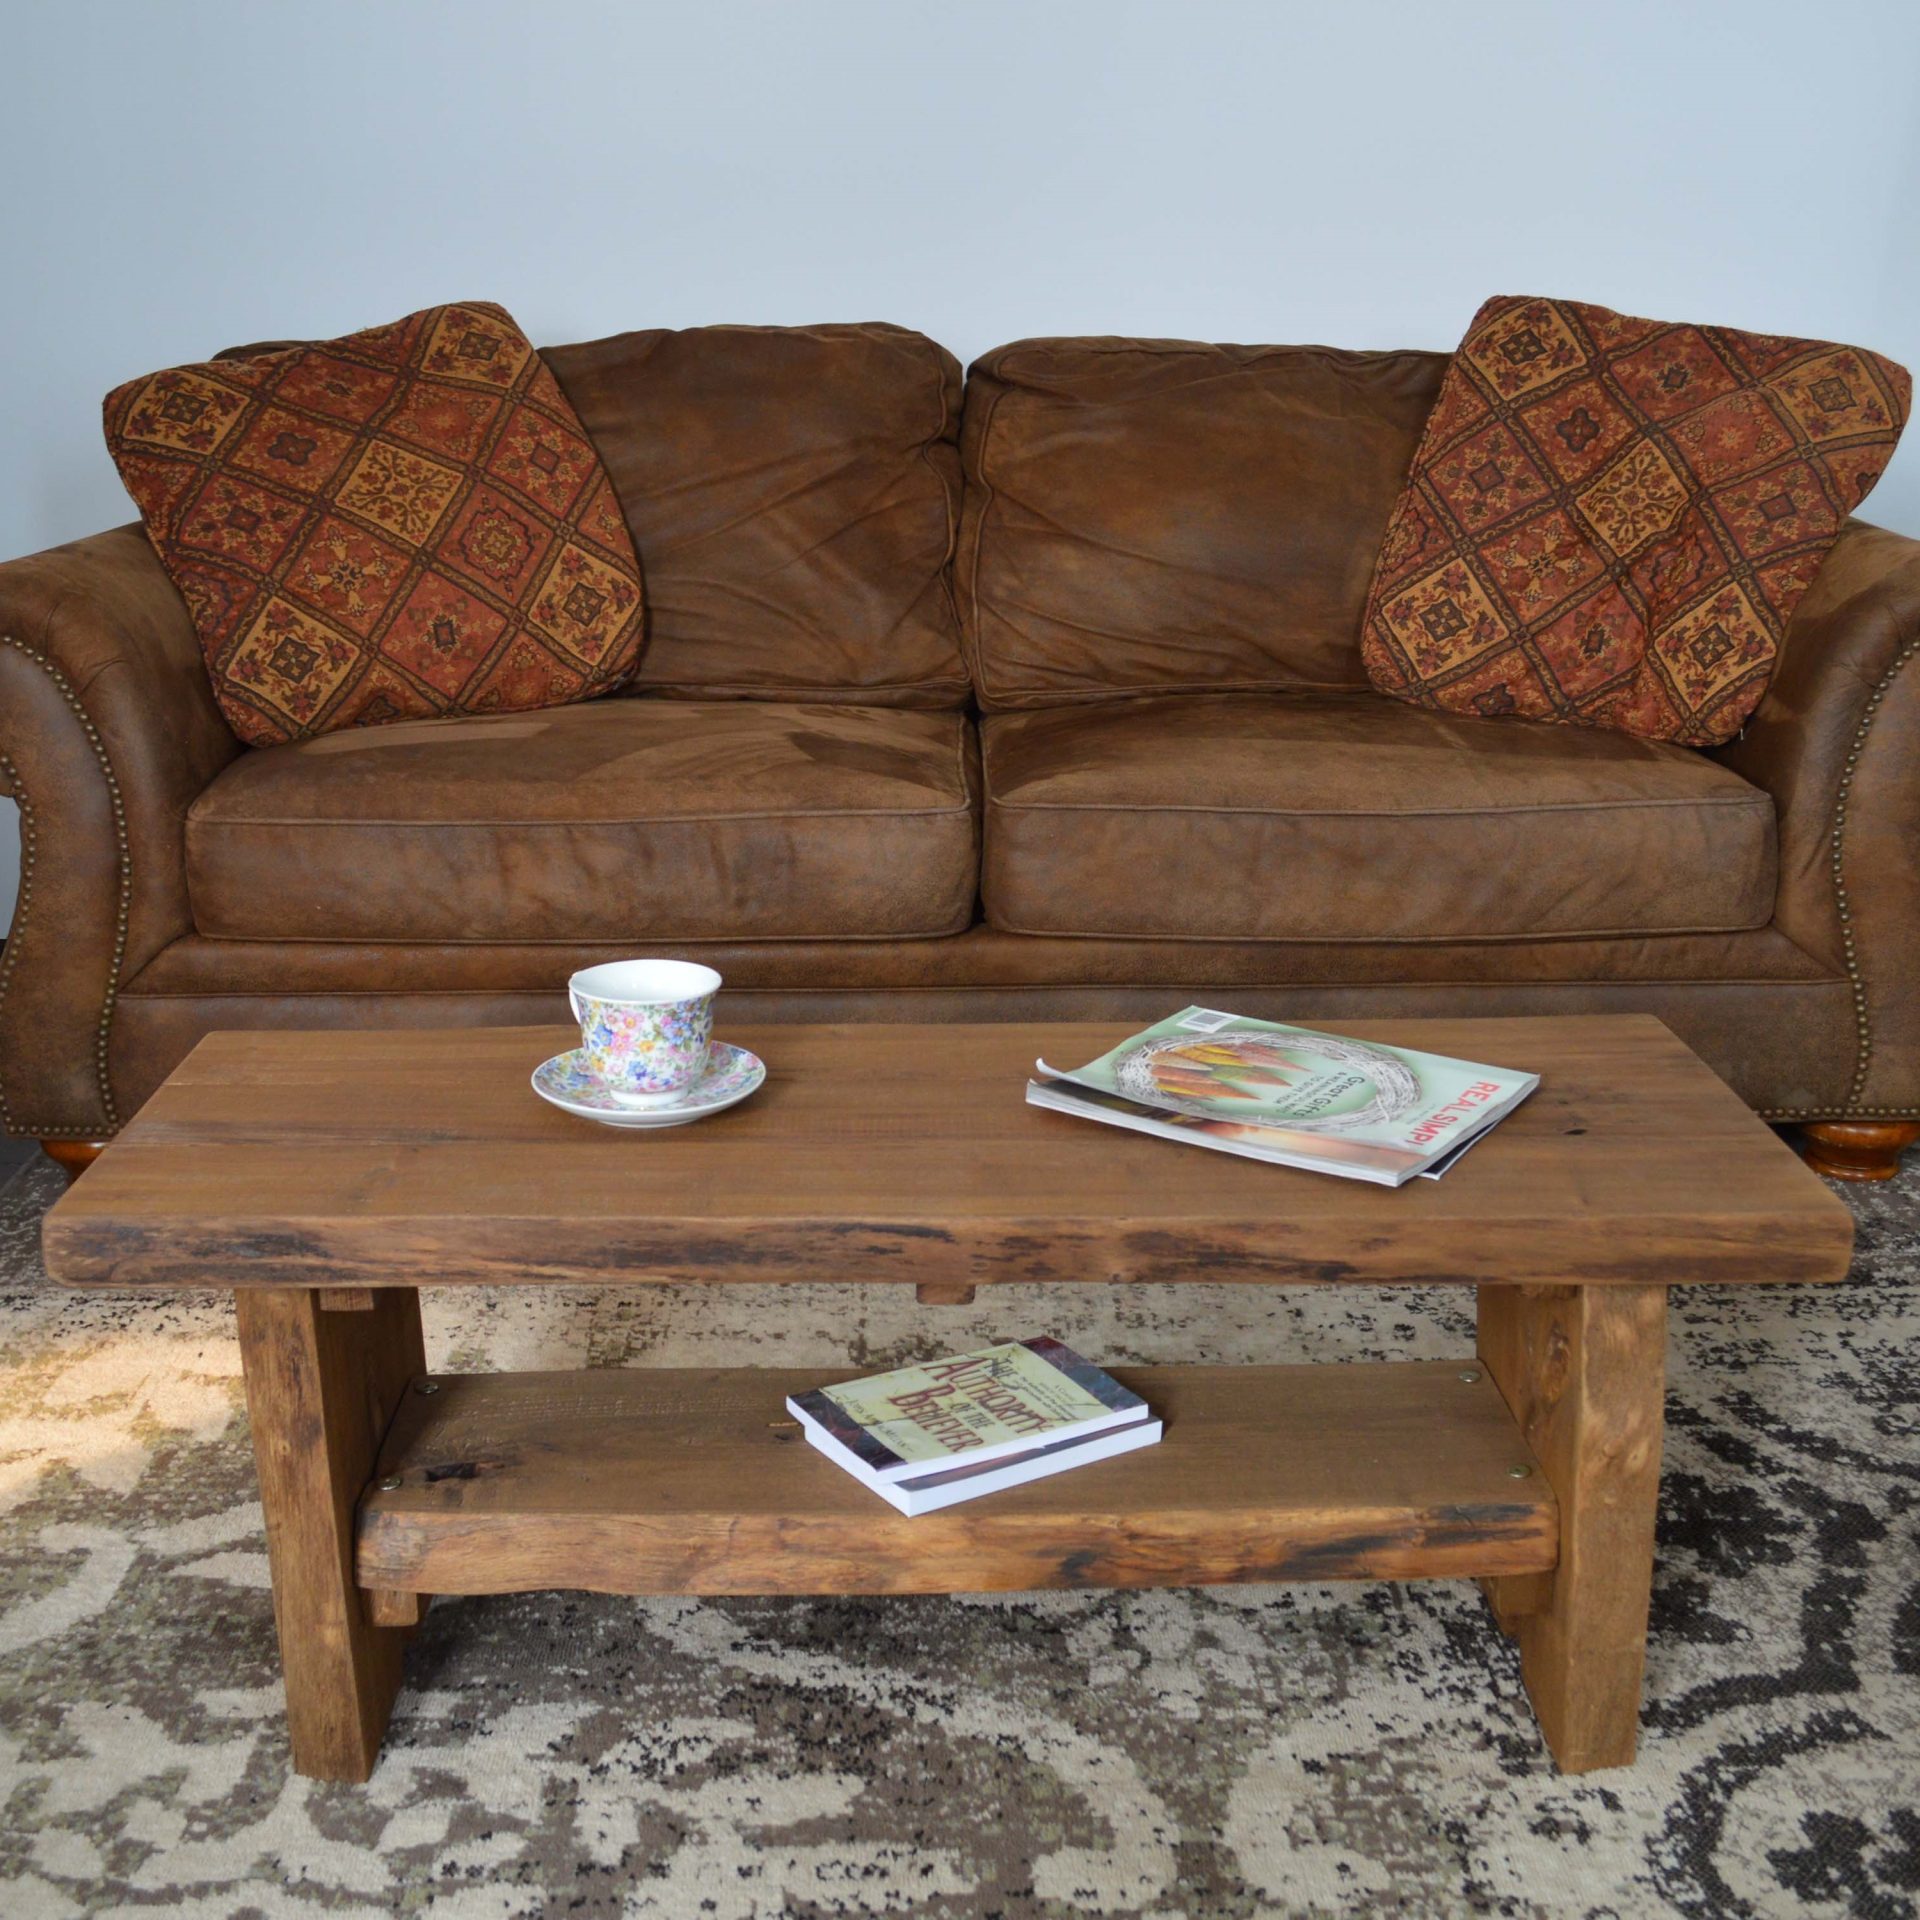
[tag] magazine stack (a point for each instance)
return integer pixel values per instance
(931, 1436)
(1291, 1095)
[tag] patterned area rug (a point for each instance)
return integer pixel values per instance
(1218, 1752)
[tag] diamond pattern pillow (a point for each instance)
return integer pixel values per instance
(408, 521)
(1609, 521)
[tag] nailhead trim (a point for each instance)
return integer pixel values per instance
(10, 952)
(123, 904)
(1863, 1025)
(1855, 979)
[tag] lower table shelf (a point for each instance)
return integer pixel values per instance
(696, 1481)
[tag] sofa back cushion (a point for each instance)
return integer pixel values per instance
(793, 493)
(1159, 516)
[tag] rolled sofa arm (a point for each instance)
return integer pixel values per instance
(1837, 743)
(108, 731)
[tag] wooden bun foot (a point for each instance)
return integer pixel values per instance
(1857, 1149)
(73, 1157)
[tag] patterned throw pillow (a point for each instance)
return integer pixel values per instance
(404, 522)
(1609, 521)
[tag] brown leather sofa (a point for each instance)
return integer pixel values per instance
(1048, 703)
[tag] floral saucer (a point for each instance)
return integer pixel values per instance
(731, 1073)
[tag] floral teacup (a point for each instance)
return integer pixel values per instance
(645, 1026)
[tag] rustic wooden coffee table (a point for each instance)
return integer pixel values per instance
(325, 1177)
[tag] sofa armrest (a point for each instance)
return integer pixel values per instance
(108, 731)
(1836, 742)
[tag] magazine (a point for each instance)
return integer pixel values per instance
(971, 1408)
(1290, 1095)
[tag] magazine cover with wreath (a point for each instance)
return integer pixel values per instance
(1290, 1094)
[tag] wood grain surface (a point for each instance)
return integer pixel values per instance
(906, 1153)
(698, 1481)
(1583, 1370)
(321, 1392)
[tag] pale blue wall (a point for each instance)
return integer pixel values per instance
(175, 178)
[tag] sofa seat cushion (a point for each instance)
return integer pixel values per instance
(637, 821)
(1353, 817)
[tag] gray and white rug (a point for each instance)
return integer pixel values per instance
(1223, 1752)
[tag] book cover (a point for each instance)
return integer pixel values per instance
(999, 1400)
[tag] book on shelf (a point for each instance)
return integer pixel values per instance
(930, 1436)
(1290, 1095)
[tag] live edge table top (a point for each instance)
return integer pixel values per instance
(907, 1153)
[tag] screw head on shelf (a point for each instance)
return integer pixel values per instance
(426, 1386)
(1519, 1473)
(1471, 1377)
(391, 1484)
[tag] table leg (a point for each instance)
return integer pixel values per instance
(321, 1387)
(1583, 1370)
